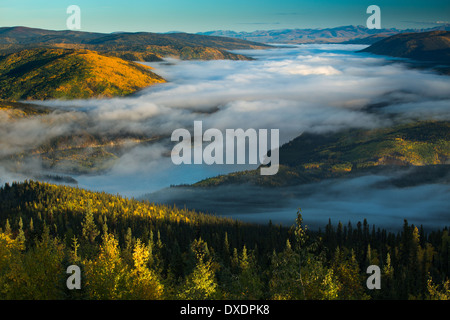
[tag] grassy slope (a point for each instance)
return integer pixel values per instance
(65, 73)
(310, 157)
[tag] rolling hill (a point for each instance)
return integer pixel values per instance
(44, 73)
(40, 74)
(426, 46)
(137, 46)
(313, 157)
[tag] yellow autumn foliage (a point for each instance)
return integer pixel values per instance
(69, 74)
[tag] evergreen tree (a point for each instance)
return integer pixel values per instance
(201, 284)
(90, 231)
(21, 234)
(387, 278)
(285, 275)
(107, 276)
(144, 283)
(249, 285)
(43, 264)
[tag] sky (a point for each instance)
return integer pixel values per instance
(206, 15)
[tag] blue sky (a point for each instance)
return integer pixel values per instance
(203, 15)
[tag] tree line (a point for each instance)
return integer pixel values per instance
(130, 249)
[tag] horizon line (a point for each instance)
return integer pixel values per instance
(223, 30)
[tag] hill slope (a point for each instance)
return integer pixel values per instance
(427, 46)
(138, 46)
(311, 157)
(129, 249)
(67, 73)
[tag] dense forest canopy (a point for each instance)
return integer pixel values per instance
(129, 249)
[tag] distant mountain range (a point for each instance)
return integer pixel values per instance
(344, 34)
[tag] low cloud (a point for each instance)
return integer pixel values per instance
(302, 88)
(306, 88)
(341, 200)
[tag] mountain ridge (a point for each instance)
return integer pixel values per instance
(342, 34)
(154, 45)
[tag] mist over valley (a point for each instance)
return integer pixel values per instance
(122, 144)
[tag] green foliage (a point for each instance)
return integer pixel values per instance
(34, 274)
(90, 231)
(201, 283)
(439, 292)
(285, 282)
(107, 275)
(148, 251)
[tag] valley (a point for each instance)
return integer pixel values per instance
(313, 157)
(88, 178)
(113, 131)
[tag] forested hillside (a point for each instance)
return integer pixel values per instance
(128, 249)
(40, 74)
(314, 157)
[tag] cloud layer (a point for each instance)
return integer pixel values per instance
(300, 88)
(306, 88)
(344, 200)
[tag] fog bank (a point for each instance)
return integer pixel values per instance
(304, 88)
